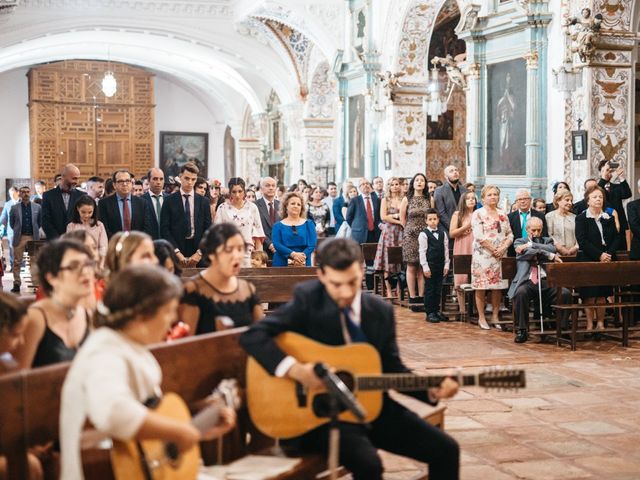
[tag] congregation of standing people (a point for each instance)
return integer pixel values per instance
(111, 266)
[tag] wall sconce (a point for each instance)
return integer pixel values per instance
(301, 164)
(387, 158)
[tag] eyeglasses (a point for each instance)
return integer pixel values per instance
(123, 182)
(77, 267)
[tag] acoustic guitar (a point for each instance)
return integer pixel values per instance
(282, 408)
(159, 460)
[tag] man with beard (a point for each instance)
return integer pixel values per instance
(448, 195)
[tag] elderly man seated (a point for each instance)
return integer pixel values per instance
(531, 252)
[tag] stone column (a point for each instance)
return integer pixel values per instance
(475, 168)
(533, 117)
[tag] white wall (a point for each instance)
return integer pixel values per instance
(14, 127)
(178, 110)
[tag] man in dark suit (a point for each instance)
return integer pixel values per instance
(616, 189)
(269, 209)
(122, 211)
(363, 215)
(524, 287)
(633, 214)
(154, 199)
(185, 217)
(581, 205)
(518, 218)
(448, 195)
(59, 202)
(333, 310)
(25, 218)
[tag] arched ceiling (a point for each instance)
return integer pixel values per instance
(208, 46)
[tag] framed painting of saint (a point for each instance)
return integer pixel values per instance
(356, 136)
(178, 148)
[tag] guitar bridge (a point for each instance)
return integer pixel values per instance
(301, 395)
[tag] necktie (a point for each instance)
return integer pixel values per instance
(187, 213)
(369, 214)
(355, 332)
(158, 206)
(523, 222)
(272, 213)
(126, 215)
(534, 274)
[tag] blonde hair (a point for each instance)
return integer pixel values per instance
(559, 196)
(486, 189)
(121, 248)
(285, 201)
(387, 192)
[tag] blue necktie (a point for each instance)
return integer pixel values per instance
(523, 222)
(355, 332)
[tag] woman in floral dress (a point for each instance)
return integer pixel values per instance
(413, 210)
(318, 211)
(492, 236)
(391, 230)
(245, 215)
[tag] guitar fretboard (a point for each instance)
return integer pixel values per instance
(408, 382)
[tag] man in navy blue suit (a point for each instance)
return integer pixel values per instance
(363, 214)
(185, 217)
(154, 200)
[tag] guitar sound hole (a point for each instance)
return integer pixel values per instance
(321, 402)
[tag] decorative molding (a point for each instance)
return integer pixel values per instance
(182, 8)
(468, 18)
(532, 58)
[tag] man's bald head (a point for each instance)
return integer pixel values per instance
(70, 177)
(268, 187)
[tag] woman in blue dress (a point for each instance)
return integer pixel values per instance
(294, 237)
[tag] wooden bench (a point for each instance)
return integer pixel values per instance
(31, 405)
(247, 272)
(574, 275)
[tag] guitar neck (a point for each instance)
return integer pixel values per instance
(408, 382)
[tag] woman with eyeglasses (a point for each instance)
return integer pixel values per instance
(294, 237)
(216, 298)
(57, 325)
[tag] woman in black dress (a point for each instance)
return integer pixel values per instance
(598, 239)
(216, 298)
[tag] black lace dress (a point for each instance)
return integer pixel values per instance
(212, 303)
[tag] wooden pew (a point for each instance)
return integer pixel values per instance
(573, 275)
(247, 272)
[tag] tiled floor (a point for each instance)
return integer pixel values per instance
(577, 418)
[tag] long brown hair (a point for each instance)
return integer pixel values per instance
(462, 207)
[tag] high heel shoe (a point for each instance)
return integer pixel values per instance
(482, 323)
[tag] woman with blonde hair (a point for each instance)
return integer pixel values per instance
(129, 248)
(561, 223)
(294, 236)
(391, 230)
(492, 236)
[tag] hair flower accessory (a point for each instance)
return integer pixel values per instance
(103, 309)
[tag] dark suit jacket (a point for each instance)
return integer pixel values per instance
(151, 223)
(338, 203)
(173, 225)
(267, 226)
(446, 203)
(54, 216)
(579, 207)
(616, 194)
(109, 213)
(590, 241)
(516, 227)
(357, 218)
(633, 214)
(314, 314)
(527, 258)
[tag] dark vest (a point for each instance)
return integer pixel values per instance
(435, 252)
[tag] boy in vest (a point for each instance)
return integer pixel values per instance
(433, 245)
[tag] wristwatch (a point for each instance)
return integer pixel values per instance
(176, 251)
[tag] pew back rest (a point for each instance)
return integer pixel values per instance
(277, 289)
(590, 274)
(247, 272)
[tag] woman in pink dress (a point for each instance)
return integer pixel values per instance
(391, 230)
(460, 230)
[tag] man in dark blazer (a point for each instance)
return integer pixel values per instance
(615, 194)
(363, 215)
(122, 211)
(154, 200)
(448, 195)
(59, 202)
(185, 217)
(25, 219)
(519, 218)
(269, 209)
(581, 205)
(334, 311)
(633, 214)
(529, 252)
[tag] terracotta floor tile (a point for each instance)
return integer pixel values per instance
(546, 470)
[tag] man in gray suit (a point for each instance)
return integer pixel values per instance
(25, 218)
(269, 209)
(448, 195)
(530, 253)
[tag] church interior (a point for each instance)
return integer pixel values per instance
(522, 95)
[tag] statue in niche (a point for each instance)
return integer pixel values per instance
(454, 74)
(506, 111)
(584, 35)
(359, 40)
(386, 83)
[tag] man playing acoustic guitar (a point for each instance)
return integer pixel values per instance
(332, 310)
